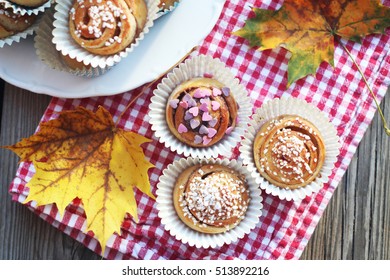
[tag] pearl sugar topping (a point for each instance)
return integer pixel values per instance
(290, 151)
(214, 198)
(101, 16)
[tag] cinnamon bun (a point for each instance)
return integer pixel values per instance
(106, 27)
(289, 151)
(29, 3)
(211, 198)
(201, 111)
(12, 23)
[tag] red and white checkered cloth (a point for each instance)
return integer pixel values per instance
(285, 227)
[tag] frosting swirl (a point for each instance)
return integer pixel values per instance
(211, 198)
(289, 151)
(106, 27)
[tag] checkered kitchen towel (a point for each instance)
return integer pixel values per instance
(285, 227)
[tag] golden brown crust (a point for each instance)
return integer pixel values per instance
(106, 27)
(210, 198)
(289, 151)
(74, 64)
(140, 12)
(11, 23)
(165, 4)
(29, 3)
(201, 111)
(4, 32)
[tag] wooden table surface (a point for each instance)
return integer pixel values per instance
(355, 225)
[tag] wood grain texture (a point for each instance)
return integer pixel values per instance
(23, 235)
(355, 225)
(356, 222)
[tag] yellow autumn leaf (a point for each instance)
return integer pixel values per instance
(82, 154)
(309, 29)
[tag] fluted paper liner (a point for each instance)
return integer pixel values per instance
(67, 46)
(26, 10)
(16, 38)
(293, 106)
(180, 231)
(48, 53)
(192, 68)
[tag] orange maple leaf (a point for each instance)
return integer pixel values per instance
(82, 154)
(308, 28)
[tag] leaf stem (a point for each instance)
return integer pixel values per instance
(386, 128)
(151, 83)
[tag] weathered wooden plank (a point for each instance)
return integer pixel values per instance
(356, 223)
(23, 235)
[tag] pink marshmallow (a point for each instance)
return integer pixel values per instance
(187, 97)
(226, 91)
(188, 116)
(201, 92)
(204, 107)
(215, 105)
(213, 122)
(217, 92)
(198, 139)
(194, 111)
(203, 130)
(206, 117)
(173, 103)
(229, 130)
(182, 128)
(206, 140)
(212, 132)
(194, 123)
(205, 100)
(183, 104)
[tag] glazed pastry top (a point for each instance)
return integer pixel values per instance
(106, 27)
(11, 23)
(201, 111)
(212, 198)
(289, 151)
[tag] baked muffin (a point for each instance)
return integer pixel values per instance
(29, 3)
(106, 27)
(201, 111)
(211, 198)
(289, 151)
(12, 23)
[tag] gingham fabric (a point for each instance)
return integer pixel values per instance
(285, 227)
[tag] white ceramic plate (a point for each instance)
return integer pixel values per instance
(171, 37)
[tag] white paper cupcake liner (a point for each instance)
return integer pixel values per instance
(192, 68)
(25, 10)
(65, 43)
(167, 10)
(48, 53)
(294, 106)
(180, 231)
(21, 35)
